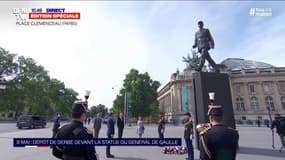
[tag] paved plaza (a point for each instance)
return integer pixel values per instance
(255, 144)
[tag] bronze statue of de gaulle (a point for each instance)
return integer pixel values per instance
(204, 41)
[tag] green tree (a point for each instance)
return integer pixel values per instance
(192, 62)
(118, 103)
(30, 89)
(99, 109)
(8, 67)
(142, 94)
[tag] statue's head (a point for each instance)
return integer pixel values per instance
(200, 24)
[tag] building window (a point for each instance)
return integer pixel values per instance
(240, 104)
(283, 102)
(281, 87)
(251, 88)
(237, 88)
(267, 88)
(254, 103)
(269, 103)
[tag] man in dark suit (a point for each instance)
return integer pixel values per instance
(97, 125)
(110, 133)
(218, 142)
(120, 125)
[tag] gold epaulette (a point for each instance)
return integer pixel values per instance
(205, 131)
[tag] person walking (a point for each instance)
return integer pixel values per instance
(140, 127)
(120, 125)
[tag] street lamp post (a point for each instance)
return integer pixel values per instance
(117, 109)
(126, 105)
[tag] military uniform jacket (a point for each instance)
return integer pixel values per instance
(219, 143)
(76, 130)
(203, 39)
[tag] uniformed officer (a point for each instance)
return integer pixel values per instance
(75, 130)
(218, 142)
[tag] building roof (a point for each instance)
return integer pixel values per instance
(239, 63)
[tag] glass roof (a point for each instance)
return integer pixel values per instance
(238, 63)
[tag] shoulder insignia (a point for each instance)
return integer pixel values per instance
(63, 126)
(205, 130)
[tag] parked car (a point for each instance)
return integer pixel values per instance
(31, 121)
(105, 121)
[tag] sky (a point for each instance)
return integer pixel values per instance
(112, 37)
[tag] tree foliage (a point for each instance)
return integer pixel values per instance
(29, 88)
(192, 62)
(100, 108)
(142, 92)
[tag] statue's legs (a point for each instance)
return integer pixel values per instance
(205, 55)
(211, 61)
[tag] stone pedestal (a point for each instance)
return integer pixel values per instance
(203, 83)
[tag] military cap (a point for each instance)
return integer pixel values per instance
(215, 110)
(187, 114)
(79, 107)
(200, 22)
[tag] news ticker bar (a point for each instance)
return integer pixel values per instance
(28, 142)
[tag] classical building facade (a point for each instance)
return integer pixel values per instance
(255, 88)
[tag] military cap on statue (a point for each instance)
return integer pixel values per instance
(79, 107)
(200, 22)
(215, 110)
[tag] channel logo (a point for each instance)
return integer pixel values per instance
(45, 16)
